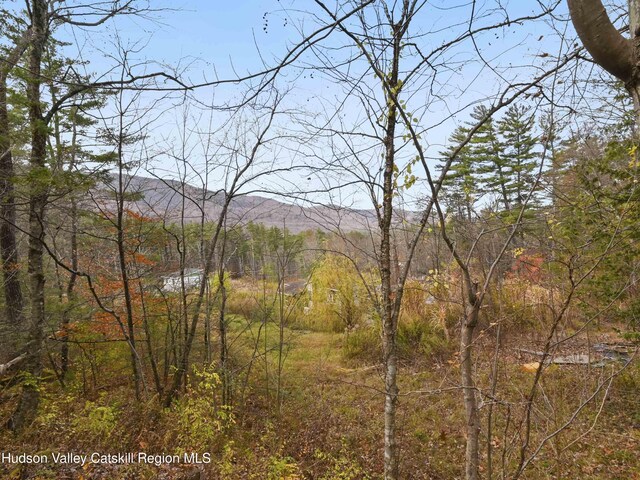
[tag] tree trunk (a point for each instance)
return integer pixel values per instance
(389, 313)
(222, 333)
(14, 302)
(469, 323)
(634, 91)
(208, 349)
(618, 55)
(30, 398)
(190, 329)
(147, 335)
(124, 274)
(64, 351)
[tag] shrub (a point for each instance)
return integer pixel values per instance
(420, 338)
(363, 344)
(341, 466)
(97, 421)
(519, 304)
(339, 300)
(199, 418)
(283, 468)
(417, 339)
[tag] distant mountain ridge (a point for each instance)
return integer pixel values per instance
(166, 198)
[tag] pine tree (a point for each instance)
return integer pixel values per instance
(460, 182)
(491, 164)
(518, 152)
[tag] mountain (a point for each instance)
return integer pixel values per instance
(164, 198)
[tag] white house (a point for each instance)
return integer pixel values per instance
(173, 281)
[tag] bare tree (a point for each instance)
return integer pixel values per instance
(389, 130)
(237, 173)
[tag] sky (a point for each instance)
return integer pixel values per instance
(220, 34)
(212, 39)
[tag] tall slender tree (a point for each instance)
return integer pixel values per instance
(12, 286)
(518, 151)
(43, 16)
(492, 166)
(460, 183)
(38, 192)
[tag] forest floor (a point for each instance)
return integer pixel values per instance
(328, 424)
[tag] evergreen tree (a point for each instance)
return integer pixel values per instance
(518, 152)
(460, 182)
(499, 161)
(491, 164)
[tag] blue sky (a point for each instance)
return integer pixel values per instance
(223, 34)
(218, 35)
(214, 32)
